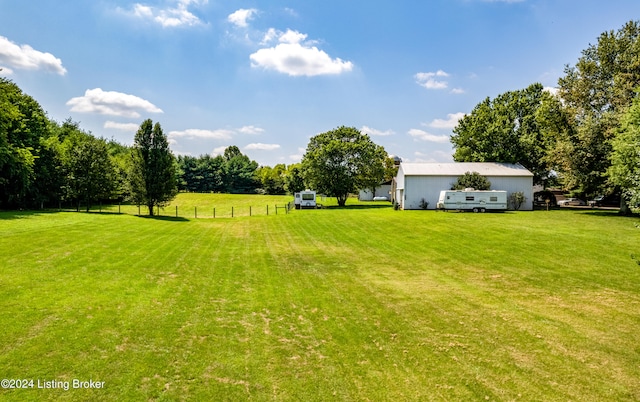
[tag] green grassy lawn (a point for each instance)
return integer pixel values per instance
(362, 303)
(192, 205)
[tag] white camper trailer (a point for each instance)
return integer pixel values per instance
(305, 199)
(472, 200)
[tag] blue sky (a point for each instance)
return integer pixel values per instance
(268, 75)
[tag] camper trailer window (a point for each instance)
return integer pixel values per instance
(470, 198)
(307, 197)
(493, 199)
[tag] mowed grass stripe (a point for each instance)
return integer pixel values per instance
(327, 304)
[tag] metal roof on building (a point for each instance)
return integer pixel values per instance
(460, 168)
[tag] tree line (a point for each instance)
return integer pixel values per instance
(44, 163)
(585, 138)
(233, 172)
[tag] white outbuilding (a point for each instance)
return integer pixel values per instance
(417, 181)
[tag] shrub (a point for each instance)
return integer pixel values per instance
(473, 180)
(516, 199)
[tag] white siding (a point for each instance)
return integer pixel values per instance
(416, 181)
(429, 187)
(382, 191)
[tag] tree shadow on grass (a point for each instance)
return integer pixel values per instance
(164, 218)
(609, 213)
(8, 215)
(359, 206)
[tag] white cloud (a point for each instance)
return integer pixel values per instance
(291, 12)
(298, 157)
(178, 15)
(292, 37)
(449, 123)
(251, 130)
(262, 147)
(142, 11)
(24, 57)
(183, 153)
(270, 36)
(430, 80)
(374, 132)
(198, 133)
(425, 136)
(457, 91)
(219, 150)
(434, 156)
(552, 90)
(111, 103)
(131, 127)
(241, 17)
(296, 57)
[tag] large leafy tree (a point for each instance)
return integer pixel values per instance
(86, 167)
(596, 92)
(153, 171)
(22, 125)
(293, 180)
(604, 79)
(342, 161)
(272, 179)
(624, 171)
(508, 129)
(91, 172)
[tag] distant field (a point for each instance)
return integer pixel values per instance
(361, 303)
(192, 205)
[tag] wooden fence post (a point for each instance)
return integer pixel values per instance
(214, 212)
(232, 212)
(196, 209)
(249, 210)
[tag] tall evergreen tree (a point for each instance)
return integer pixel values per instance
(153, 171)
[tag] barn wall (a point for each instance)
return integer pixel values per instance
(429, 187)
(514, 184)
(382, 191)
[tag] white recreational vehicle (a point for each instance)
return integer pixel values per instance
(472, 200)
(305, 199)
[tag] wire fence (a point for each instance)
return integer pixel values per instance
(185, 211)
